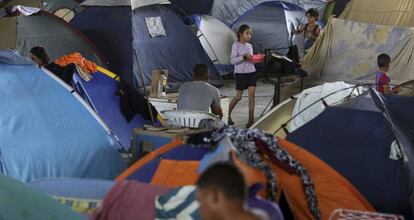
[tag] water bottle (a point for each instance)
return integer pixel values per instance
(162, 84)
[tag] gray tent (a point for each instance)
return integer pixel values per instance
(47, 5)
(46, 30)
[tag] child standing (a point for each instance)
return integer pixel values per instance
(311, 29)
(382, 81)
(244, 71)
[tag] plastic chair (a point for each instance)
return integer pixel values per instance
(345, 214)
(187, 118)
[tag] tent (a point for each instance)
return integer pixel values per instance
(353, 57)
(390, 12)
(99, 92)
(217, 39)
(229, 11)
(355, 138)
(47, 5)
(19, 201)
(125, 31)
(303, 107)
(82, 195)
(272, 23)
(46, 30)
(177, 164)
(59, 136)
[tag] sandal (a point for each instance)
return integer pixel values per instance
(230, 121)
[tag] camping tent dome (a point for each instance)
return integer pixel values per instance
(272, 23)
(118, 31)
(46, 30)
(215, 37)
(47, 130)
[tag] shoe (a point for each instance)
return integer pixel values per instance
(230, 121)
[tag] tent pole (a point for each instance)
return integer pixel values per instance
(143, 86)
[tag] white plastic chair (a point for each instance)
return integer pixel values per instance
(345, 214)
(187, 118)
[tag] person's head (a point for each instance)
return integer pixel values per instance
(244, 34)
(312, 15)
(39, 56)
(200, 72)
(384, 62)
(219, 187)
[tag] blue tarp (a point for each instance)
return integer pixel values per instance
(46, 132)
(357, 144)
(272, 23)
(117, 30)
(100, 93)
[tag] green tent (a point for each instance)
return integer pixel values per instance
(18, 201)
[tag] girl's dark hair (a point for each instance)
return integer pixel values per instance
(313, 12)
(242, 29)
(40, 53)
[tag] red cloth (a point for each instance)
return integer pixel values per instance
(130, 200)
(76, 58)
(381, 80)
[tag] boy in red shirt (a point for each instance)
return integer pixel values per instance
(382, 80)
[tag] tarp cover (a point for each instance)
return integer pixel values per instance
(357, 143)
(47, 132)
(389, 12)
(337, 55)
(19, 201)
(229, 10)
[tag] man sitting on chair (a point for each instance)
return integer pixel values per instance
(198, 94)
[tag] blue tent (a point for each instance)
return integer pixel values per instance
(100, 93)
(355, 139)
(46, 130)
(118, 30)
(272, 23)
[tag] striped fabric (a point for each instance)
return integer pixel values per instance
(180, 204)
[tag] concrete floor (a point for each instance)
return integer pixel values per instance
(264, 95)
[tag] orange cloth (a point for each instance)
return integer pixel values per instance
(172, 173)
(78, 59)
(332, 189)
